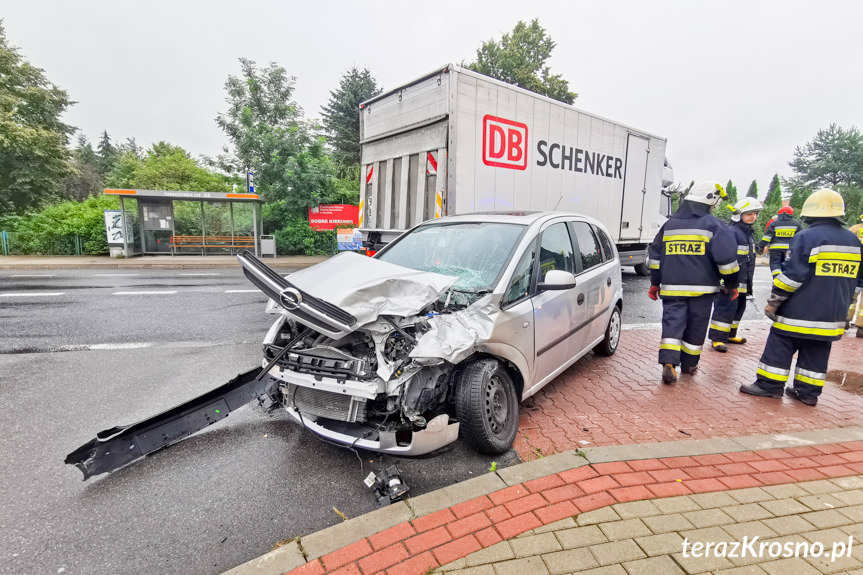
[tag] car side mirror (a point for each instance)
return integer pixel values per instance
(557, 280)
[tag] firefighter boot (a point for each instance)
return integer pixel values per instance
(737, 339)
(860, 332)
(688, 369)
(719, 346)
(669, 374)
(791, 392)
(754, 389)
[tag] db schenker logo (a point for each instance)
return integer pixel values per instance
(504, 143)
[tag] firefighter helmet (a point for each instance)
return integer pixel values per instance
(745, 206)
(786, 210)
(825, 203)
(706, 192)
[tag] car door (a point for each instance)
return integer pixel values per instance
(557, 313)
(596, 282)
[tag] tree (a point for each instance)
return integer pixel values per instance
(33, 154)
(165, 167)
(107, 154)
(341, 115)
(85, 179)
(833, 158)
(753, 190)
(519, 58)
(773, 200)
(731, 190)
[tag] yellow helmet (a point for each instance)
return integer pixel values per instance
(825, 203)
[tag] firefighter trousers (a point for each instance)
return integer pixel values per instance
(774, 369)
(858, 301)
(726, 317)
(684, 325)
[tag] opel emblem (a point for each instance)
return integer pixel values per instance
(291, 299)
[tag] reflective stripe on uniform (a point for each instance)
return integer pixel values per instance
(848, 253)
(810, 377)
(735, 325)
(731, 268)
(742, 250)
(685, 290)
(780, 246)
(691, 349)
(766, 239)
(719, 326)
(653, 264)
(742, 290)
(782, 281)
(771, 372)
(670, 343)
(690, 234)
(776, 272)
(823, 328)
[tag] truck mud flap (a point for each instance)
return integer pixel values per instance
(118, 446)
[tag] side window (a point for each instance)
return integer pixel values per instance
(588, 246)
(555, 252)
(605, 242)
(519, 287)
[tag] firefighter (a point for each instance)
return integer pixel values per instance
(858, 231)
(809, 302)
(727, 312)
(777, 237)
(689, 255)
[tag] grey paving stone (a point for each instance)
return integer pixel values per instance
(521, 566)
(653, 566)
(694, 565)
(580, 537)
(666, 523)
(542, 467)
(453, 566)
(708, 518)
(498, 552)
(626, 529)
(785, 491)
(607, 570)
(749, 529)
(745, 570)
(567, 523)
(828, 518)
(853, 497)
(454, 494)
(677, 504)
(781, 507)
(713, 500)
(664, 544)
(818, 487)
(750, 495)
(710, 534)
(660, 450)
(535, 545)
(826, 537)
(481, 570)
(855, 513)
(597, 516)
(632, 509)
(343, 534)
(569, 561)
(617, 552)
(747, 512)
(820, 502)
(856, 531)
(757, 557)
(841, 565)
(790, 566)
(788, 525)
(851, 482)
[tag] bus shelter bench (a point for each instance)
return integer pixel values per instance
(203, 242)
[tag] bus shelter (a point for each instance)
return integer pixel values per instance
(179, 222)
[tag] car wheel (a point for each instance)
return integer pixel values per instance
(486, 406)
(612, 335)
(642, 269)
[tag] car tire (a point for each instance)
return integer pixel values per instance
(612, 334)
(642, 269)
(486, 406)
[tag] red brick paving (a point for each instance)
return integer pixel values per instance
(619, 400)
(444, 536)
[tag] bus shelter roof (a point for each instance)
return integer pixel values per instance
(183, 195)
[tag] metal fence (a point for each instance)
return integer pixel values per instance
(19, 244)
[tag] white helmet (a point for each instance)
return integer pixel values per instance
(745, 206)
(706, 192)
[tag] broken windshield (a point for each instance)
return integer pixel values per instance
(474, 252)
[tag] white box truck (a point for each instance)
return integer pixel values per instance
(455, 141)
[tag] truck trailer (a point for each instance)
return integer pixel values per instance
(456, 142)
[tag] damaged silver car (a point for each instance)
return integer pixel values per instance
(443, 332)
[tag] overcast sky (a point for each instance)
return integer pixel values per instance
(733, 85)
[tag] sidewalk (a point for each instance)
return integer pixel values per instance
(620, 470)
(170, 262)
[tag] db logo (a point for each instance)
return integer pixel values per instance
(504, 143)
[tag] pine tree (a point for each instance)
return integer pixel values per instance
(753, 190)
(107, 154)
(341, 115)
(731, 190)
(774, 194)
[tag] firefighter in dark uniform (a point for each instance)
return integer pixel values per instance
(857, 303)
(809, 302)
(777, 238)
(689, 255)
(727, 312)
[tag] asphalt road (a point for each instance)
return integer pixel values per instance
(83, 350)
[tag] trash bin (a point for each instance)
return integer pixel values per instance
(268, 246)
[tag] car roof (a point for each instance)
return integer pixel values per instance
(524, 218)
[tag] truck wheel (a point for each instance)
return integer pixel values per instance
(642, 269)
(486, 406)
(612, 335)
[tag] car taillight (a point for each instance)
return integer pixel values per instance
(371, 253)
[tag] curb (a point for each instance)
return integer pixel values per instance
(142, 263)
(372, 536)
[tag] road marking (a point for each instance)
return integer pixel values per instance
(33, 294)
(120, 345)
(116, 275)
(33, 276)
(242, 291)
(197, 274)
(144, 292)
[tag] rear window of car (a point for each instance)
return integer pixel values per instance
(588, 245)
(605, 242)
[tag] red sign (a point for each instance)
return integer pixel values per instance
(504, 143)
(328, 216)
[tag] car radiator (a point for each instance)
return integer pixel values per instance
(319, 403)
